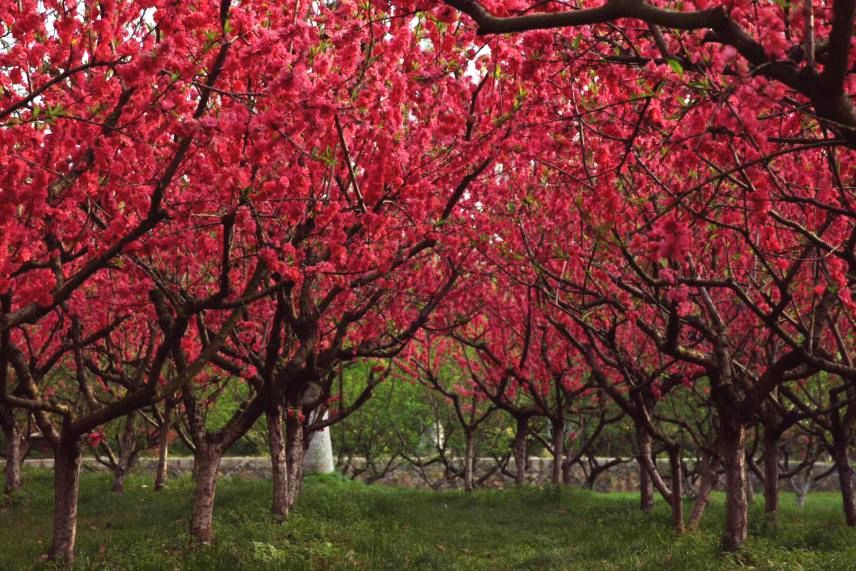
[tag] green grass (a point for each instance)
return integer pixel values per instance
(340, 524)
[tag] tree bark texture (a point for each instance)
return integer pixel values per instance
(206, 463)
(733, 439)
(279, 466)
(67, 461)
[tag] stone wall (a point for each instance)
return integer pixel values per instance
(621, 478)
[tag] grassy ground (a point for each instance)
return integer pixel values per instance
(345, 525)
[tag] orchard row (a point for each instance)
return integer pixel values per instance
(628, 207)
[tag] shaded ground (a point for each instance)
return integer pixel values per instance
(346, 525)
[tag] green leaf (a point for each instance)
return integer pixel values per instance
(676, 66)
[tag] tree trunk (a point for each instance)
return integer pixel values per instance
(278, 463)
(294, 456)
(708, 481)
(206, 463)
(771, 474)
(646, 490)
(127, 452)
(567, 471)
(194, 468)
(468, 462)
(845, 477)
(14, 456)
(801, 485)
(801, 494)
(649, 462)
(646, 486)
(520, 452)
(733, 439)
(677, 489)
(558, 451)
(161, 473)
(119, 479)
(67, 460)
(750, 489)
